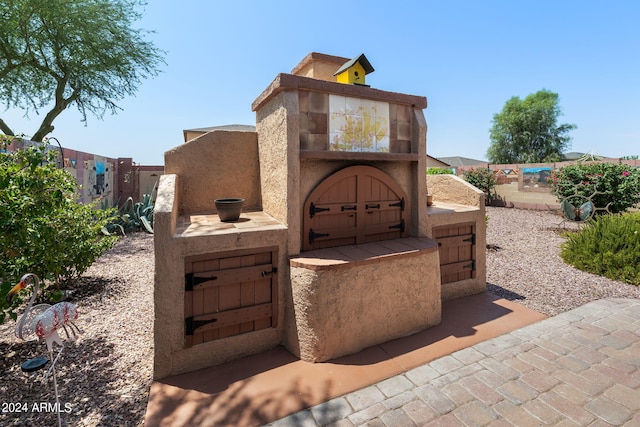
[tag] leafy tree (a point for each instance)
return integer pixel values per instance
(58, 53)
(526, 130)
(45, 230)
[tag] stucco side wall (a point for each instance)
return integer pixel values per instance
(218, 164)
(165, 313)
(171, 357)
(453, 189)
(171, 249)
(342, 311)
(279, 145)
(419, 135)
(455, 201)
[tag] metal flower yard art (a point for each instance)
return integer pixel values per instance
(43, 321)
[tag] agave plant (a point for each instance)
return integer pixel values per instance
(144, 209)
(134, 216)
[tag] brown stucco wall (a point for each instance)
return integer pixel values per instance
(292, 121)
(456, 201)
(419, 193)
(319, 66)
(167, 275)
(279, 147)
(216, 165)
(341, 311)
(452, 189)
(171, 248)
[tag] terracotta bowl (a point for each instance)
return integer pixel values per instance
(229, 209)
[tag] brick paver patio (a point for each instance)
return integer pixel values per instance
(579, 368)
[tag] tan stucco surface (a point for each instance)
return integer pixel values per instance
(218, 164)
(319, 66)
(279, 148)
(341, 311)
(453, 189)
(419, 193)
(325, 312)
(171, 248)
(455, 201)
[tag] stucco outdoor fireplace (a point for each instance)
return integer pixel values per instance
(336, 249)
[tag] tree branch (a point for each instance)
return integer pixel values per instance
(62, 103)
(67, 52)
(5, 128)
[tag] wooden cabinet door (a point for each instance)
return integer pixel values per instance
(358, 204)
(457, 246)
(229, 294)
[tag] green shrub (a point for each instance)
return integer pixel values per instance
(608, 246)
(609, 185)
(439, 171)
(483, 179)
(44, 229)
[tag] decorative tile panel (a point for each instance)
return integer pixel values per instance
(358, 124)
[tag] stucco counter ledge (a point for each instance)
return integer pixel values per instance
(450, 208)
(210, 224)
(357, 255)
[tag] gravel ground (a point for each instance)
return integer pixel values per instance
(523, 264)
(104, 377)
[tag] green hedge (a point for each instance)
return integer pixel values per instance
(439, 171)
(609, 246)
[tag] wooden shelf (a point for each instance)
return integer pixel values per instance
(357, 155)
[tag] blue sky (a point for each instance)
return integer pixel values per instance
(467, 57)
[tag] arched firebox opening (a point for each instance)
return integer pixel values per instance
(357, 204)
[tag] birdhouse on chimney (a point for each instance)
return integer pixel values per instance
(354, 71)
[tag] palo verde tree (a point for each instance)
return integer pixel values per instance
(59, 53)
(527, 130)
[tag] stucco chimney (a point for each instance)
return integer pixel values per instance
(319, 66)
